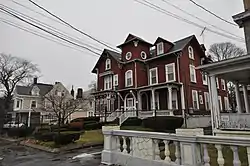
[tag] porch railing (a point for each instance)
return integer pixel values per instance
(149, 148)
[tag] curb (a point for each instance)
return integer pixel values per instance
(57, 150)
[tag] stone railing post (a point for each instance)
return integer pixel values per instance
(110, 144)
(190, 149)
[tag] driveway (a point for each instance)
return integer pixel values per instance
(17, 155)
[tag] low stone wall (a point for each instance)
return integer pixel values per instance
(198, 121)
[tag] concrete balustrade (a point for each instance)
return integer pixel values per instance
(163, 149)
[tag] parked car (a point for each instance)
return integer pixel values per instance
(13, 124)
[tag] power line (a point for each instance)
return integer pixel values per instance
(51, 28)
(202, 7)
(68, 24)
(164, 11)
(13, 15)
(198, 18)
(36, 33)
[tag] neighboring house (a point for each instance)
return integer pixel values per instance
(87, 107)
(159, 76)
(29, 102)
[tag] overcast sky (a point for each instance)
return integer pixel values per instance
(110, 21)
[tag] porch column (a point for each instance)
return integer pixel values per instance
(139, 101)
(119, 102)
(245, 92)
(170, 106)
(215, 103)
(153, 99)
(237, 94)
(29, 117)
(182, 97)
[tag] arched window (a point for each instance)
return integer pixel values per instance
(129, 78)
(191, 52)
(108, 64)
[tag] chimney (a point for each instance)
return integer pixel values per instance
(246, 4)
(57, 83)
(72, 92)
(79, 93)
(203, 47)
(243, 20)
(35, 80)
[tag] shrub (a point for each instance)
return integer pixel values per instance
(45, 136)
(66, 138)
(133, 121)
(76, 126)
(84, 119)
(93, 126)
(20, 132)
(166, 123)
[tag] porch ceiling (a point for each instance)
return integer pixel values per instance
(236, 69)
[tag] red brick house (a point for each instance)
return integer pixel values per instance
(158, 76)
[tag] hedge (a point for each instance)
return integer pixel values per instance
(45, 136)
(93, 126)
(133, 121)
(66, 138)
(164, 123)
(84, 119)
(20, 132)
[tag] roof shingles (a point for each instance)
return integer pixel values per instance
(26, 90)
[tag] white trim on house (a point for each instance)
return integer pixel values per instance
(108, 64)
(172, 65)
(31, 102)
(190, 52)
(129, 74)
(107, 82)
(160, 48)
(217, 83)
(206, 97)
(115, 80)
(204, 79)
(226, 103)
(223, 84)
(128, 55)
(220, 103)
(155, 70)
(192, 73)
(195, 98)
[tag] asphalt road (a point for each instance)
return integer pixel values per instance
(17, 155)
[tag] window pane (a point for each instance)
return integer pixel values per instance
(170, 77)
(170, 69)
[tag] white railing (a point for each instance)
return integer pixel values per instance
(114, 115)
(150, 148)
(127, 114)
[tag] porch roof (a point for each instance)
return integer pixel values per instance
(235, 69)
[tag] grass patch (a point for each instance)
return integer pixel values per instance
(92, 136)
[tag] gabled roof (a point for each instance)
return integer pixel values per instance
(164, 40)
(113, 54)
(178, 45)
(26, 90)
(131, 38)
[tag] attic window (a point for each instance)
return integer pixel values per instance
(128, 55)
(108, 64)
(160, 49)
(191, 52)
(143, 55)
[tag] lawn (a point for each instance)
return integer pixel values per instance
(91, 136)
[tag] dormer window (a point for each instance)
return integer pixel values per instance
(128, 55)
(108, 64)
(160, 49)
(191, 52)
(35, 91)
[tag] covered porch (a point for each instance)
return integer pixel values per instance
(237, 71)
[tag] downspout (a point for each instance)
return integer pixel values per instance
(136, 102)
(178, 67)
(135, 75)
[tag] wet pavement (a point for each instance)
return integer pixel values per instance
(18, 155)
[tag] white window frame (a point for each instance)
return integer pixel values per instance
(115, 80)
(150, 75)
(195, 97)
(220, 103)
(108, 81)
(207, 100)
(223, 84)
(226, 103)
(20, 103)
(126, 78)
(192, 70)
(130, 55)
(191, 52)
(217, 83)
(167, 73)
(201, 99)
(158, 48)
(143, 55)
(108, 64)
(204, 75)
(31, 104)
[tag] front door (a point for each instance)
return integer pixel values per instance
(129, 104)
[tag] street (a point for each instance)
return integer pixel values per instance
(17, 155)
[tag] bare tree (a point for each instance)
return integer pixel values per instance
(14, 70)
(62, 106)
(222, 51)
